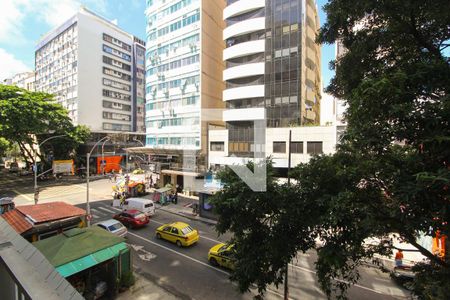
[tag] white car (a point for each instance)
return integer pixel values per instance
(113, 226)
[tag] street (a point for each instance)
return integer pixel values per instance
(186, 272)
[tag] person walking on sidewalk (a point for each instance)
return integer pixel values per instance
(399, 259)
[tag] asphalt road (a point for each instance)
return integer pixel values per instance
(186, 272)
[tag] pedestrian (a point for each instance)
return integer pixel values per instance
(399, 258)
(175, 197)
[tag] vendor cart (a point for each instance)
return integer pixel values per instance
(162, 195)
(128, 188)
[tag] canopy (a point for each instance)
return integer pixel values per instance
(163, 190)
(76, 243)
(91, 260)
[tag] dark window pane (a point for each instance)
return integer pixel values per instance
(217, 146)
(279, 147)
(296, 147)
(314, 147)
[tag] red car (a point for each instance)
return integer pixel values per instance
(132, 218)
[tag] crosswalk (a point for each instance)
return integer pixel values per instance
(104, 212)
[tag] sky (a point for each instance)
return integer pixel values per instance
(23, 22)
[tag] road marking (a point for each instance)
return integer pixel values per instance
(193, 259)
(97, 212)
(207, 238)
(180, 254)
(105, 209)
(116, 209)
(96, 217)
(340, 280)
(23, 195)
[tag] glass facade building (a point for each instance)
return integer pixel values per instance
(272, 70)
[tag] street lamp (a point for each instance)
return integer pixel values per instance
(36, 195)
(140, 142)
(88, 157)
(103, 156)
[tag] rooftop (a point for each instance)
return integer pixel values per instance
(28, 266)
(17, 221)
(76, 243)
(52, 211)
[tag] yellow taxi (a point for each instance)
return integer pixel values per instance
(222, 255)
(179, 233)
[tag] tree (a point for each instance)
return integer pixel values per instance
(4, 146)
(390, 174)
(261, 224)
(29, 117)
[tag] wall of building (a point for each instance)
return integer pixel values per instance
(90, 70)
(212, 65)
(173, 74)
(24, 80)
(73, 64)
(324, 135)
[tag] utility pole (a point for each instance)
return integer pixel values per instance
(88, 158)
(286, 287)
(36, 188)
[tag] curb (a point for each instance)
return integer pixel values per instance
(203, 220)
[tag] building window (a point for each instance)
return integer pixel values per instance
(116, 63)
(116, 127)
(217, 146)
(116, 95)
(116, 42)
(314, 147)
(115, 105)
(296, 147)
(117, 53)
(116, 116)
(116, 74)
(116, 84)
(279, 147)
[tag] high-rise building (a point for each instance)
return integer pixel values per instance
(183, 77)
(273, 80)
(95, 70)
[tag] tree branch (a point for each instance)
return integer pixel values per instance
(412, 240)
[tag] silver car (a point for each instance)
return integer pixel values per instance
(113, 226)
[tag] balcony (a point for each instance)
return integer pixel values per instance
(310, 97)
(244, 27)
(245, 70)
(244, 49)
(244, 114)
(252, 91)
(242, 6)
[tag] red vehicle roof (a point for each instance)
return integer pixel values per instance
(52, 211)
(133, 211)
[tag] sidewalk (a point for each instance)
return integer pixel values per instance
(182, 208)
(145, 289)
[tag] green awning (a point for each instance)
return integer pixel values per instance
(91, 260)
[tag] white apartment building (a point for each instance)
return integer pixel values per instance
(95, 70)
(183, 74)
(23, 80)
